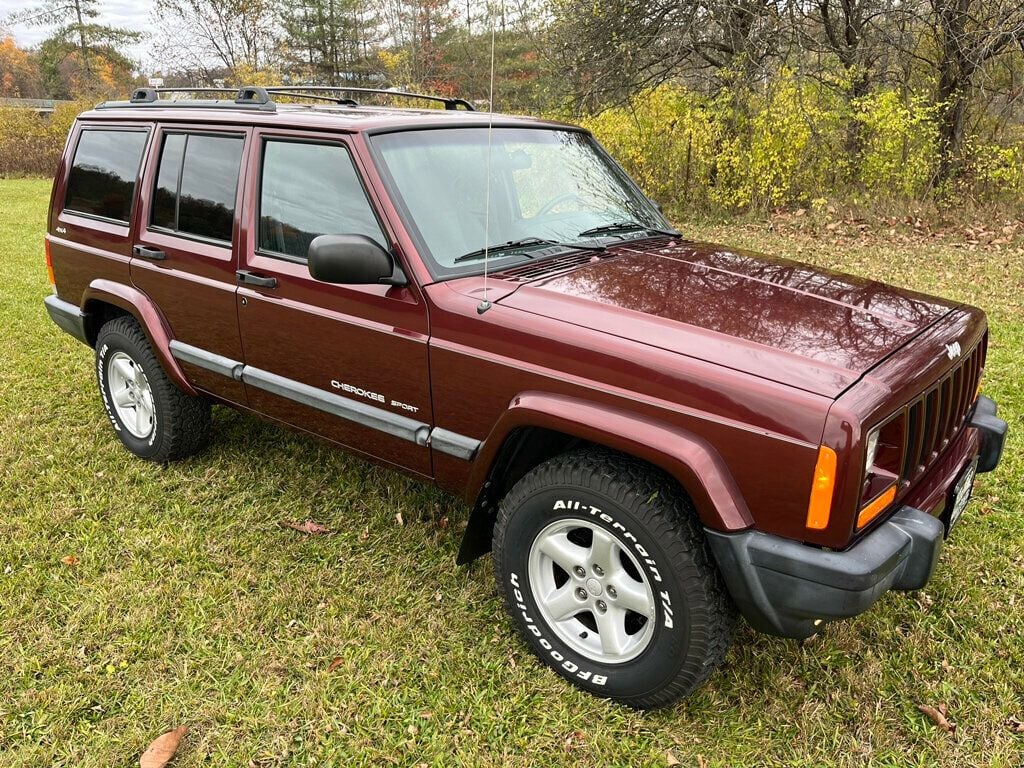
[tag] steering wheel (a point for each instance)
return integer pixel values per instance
(551, 204)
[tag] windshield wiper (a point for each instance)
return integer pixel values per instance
(626, 226)
(525, 242)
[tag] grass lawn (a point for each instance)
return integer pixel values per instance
(135, 598)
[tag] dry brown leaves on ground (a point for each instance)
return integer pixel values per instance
(938, 716)
(162, 749)
(309, 527)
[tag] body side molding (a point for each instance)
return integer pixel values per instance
(393, 424)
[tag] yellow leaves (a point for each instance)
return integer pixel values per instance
(792, 141)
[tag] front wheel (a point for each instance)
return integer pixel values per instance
(607, 575)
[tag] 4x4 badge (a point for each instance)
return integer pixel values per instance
(953, 350)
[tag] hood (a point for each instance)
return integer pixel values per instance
(779, 319)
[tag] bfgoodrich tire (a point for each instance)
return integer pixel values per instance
(606, 573)
(152, 417)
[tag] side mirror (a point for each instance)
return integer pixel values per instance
(352, 260)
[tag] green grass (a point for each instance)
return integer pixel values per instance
(190, 603)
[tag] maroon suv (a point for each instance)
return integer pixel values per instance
(651, 432)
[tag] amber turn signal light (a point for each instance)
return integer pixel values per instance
(820, 506)
(872, 510)
(49, 264)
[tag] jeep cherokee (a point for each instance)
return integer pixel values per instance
(653, 434)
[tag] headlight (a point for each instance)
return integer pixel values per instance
(871, 452)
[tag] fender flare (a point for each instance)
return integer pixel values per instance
(141, 307)
(685, 456)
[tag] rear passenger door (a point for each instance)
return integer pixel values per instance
(184, 255)
(347, 362)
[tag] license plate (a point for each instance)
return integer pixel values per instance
(962, 493)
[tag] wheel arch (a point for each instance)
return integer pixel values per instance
(538, 426)
(105, 300)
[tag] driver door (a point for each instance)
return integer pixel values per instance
(346, 362)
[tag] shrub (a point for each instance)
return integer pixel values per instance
(31, 144)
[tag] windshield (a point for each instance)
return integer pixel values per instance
(547, 188)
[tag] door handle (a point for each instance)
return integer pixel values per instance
(247, 277)
(155, 254)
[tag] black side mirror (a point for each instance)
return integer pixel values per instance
(352, 260)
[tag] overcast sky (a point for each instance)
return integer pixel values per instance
(131, 14)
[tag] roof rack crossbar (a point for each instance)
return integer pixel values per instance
(449, 102)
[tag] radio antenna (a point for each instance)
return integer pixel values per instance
(484, 304)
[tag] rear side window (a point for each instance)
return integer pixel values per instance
(195, 187)
(103, 172)
(309, 190)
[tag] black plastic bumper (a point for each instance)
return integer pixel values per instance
(67, 316)
(993, 433)
(787, 588)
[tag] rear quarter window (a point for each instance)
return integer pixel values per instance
(103, 172)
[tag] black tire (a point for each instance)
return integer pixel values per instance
(180, 423)
(655, 524)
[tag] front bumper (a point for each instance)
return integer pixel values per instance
(993, 433)
(788, 588)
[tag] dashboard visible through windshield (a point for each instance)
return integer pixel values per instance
(548, 187)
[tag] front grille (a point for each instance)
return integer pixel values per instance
(937, 415)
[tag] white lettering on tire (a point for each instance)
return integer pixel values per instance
(559, 658)
(579, 506)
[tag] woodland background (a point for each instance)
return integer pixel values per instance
(715, 106)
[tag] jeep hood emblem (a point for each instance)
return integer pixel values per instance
(953, 350)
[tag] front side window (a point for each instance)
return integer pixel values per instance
(545, 185)
(196, 182)
(308, 190)
(103, 172)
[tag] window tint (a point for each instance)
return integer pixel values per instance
(309, 190)
(195, 187)
(102, 178)
(165, 196)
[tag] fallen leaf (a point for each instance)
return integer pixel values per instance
(160, 752)
(335, 663)
(308, 527)
(938, 716)
(398, 519)
(670, 759)
(70, 560)
(1015, 725)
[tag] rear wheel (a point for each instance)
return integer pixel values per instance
(153, 418)
(608, 577)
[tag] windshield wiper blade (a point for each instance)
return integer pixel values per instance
(627, 226)
(525, 242)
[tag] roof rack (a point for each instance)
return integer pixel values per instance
(308, 90)
(258, 97)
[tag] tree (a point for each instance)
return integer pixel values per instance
(199, 34)
(327, 40)
(75, 25)
(19, 72)
(969, 34)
